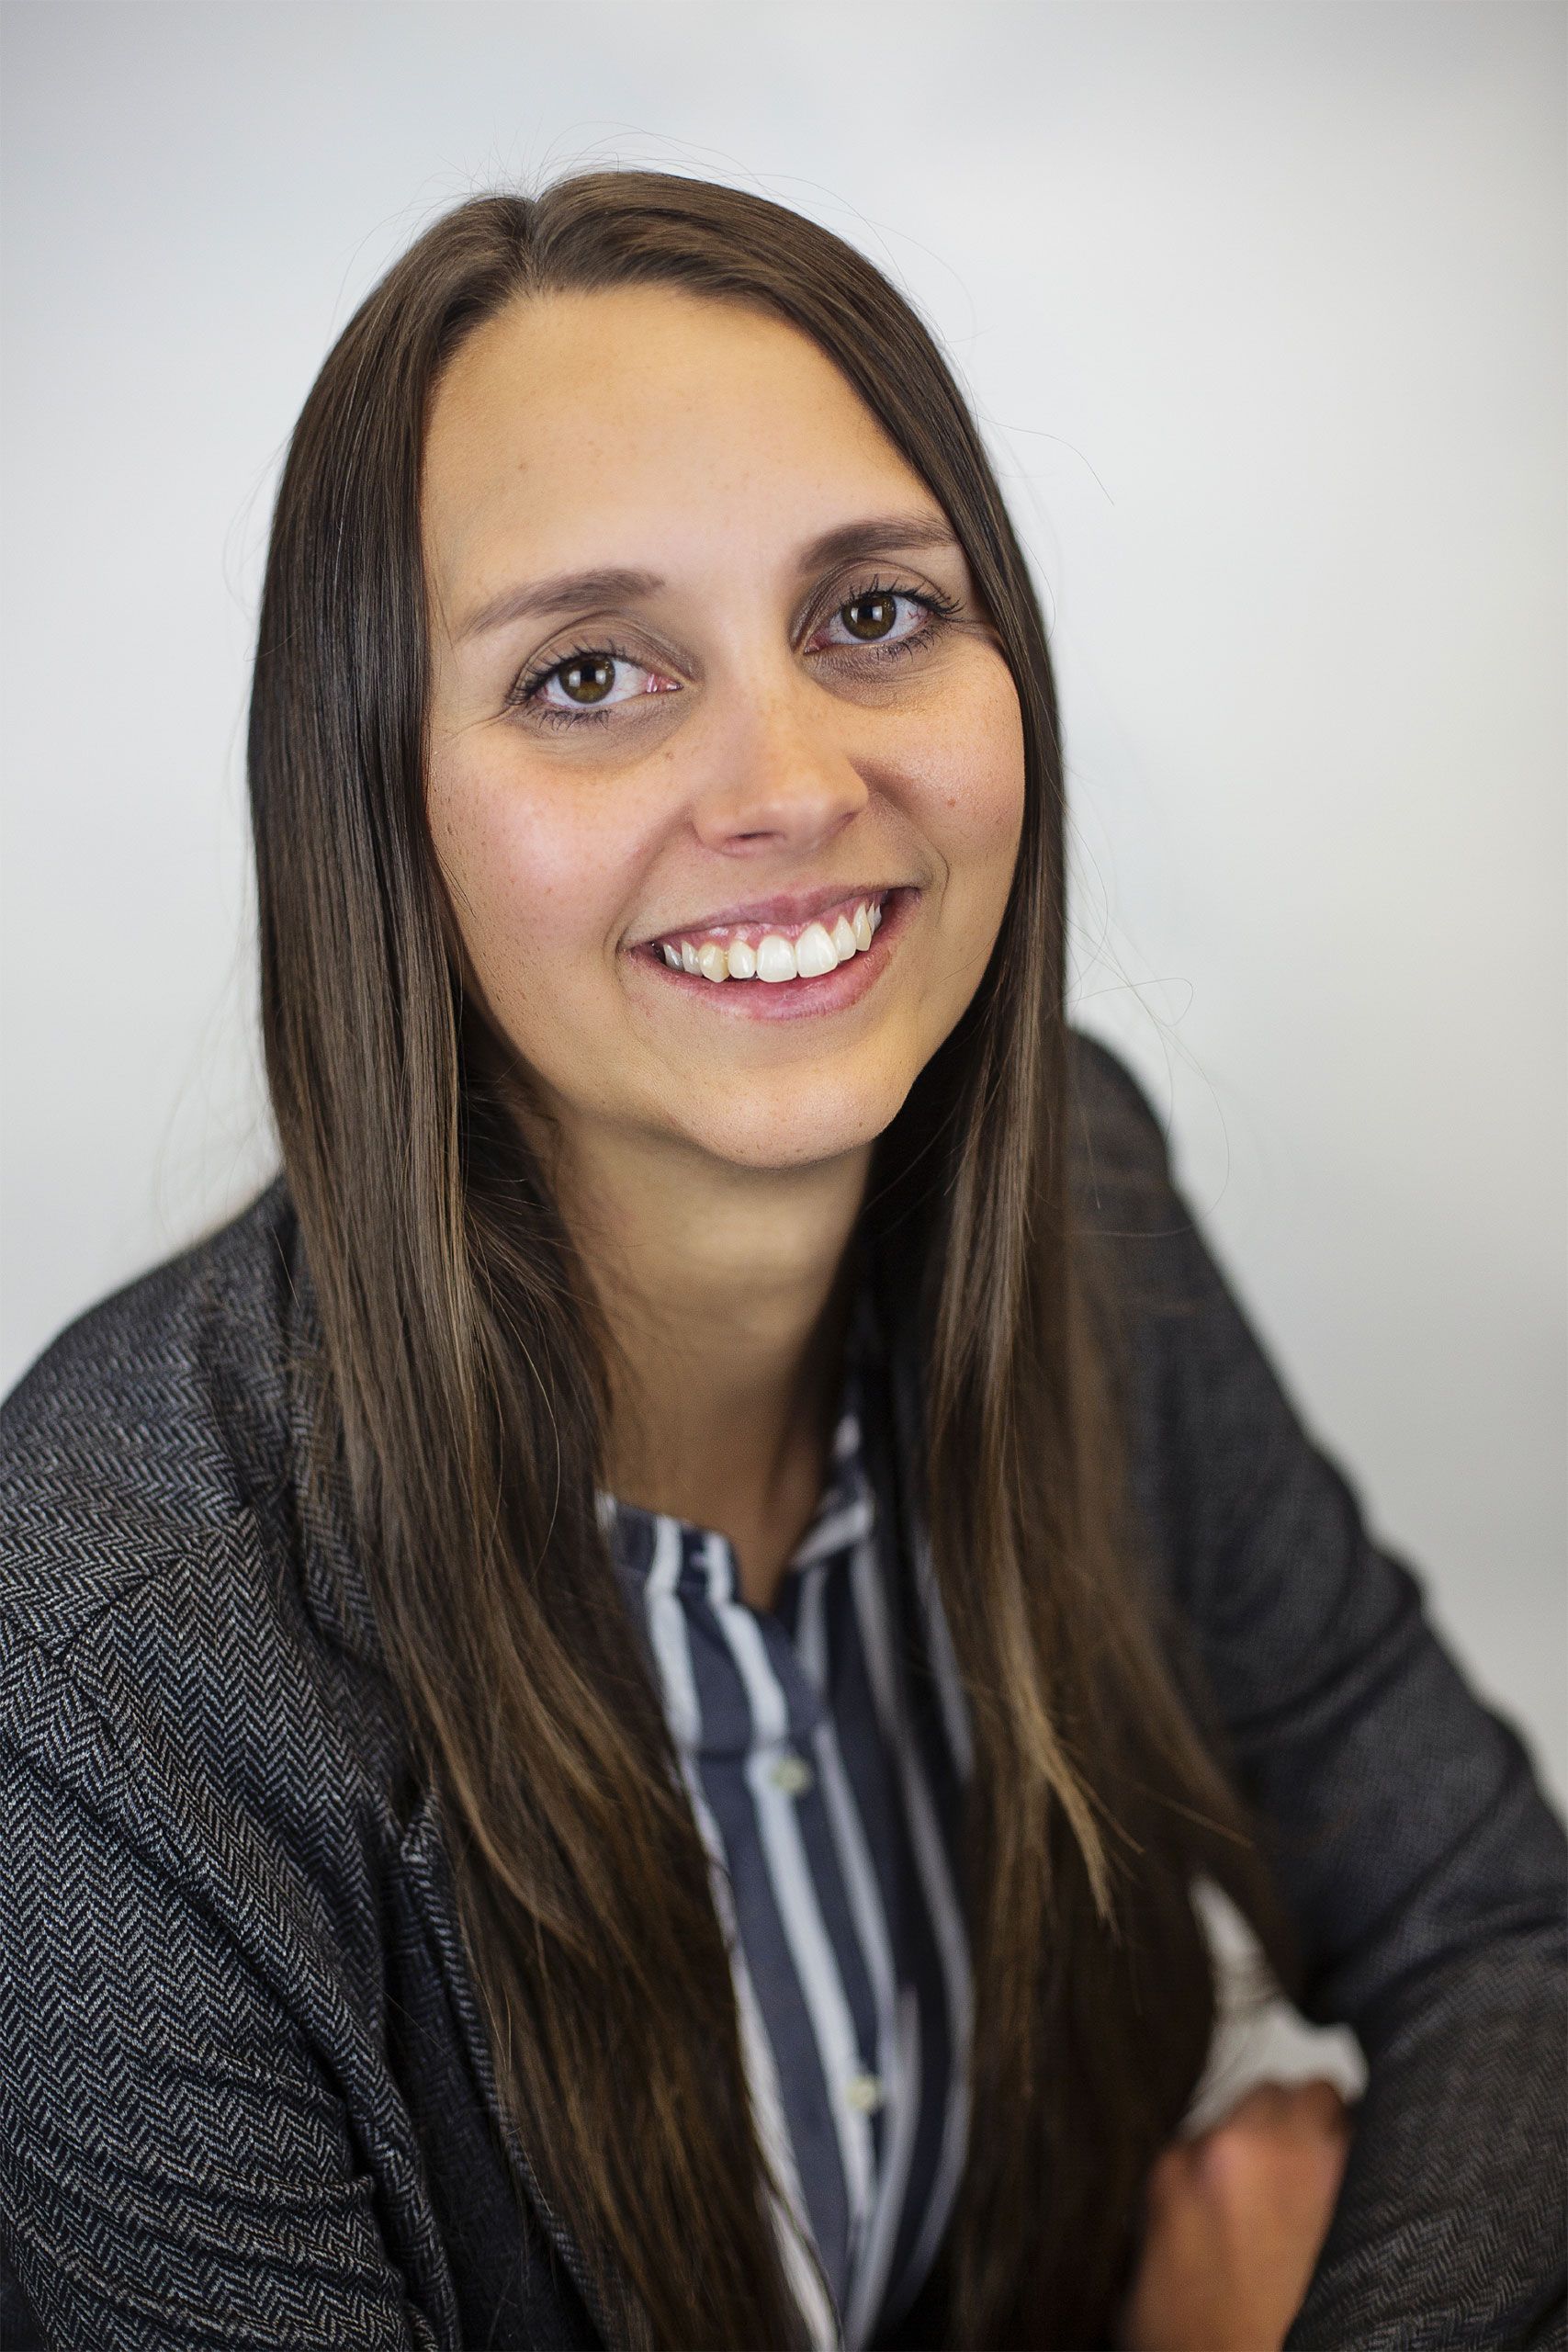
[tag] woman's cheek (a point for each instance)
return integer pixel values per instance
(527, 872)
(976, 789)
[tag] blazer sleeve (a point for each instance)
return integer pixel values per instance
(175, 2168)
(1423, 1863)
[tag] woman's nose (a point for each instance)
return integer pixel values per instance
(776, 783)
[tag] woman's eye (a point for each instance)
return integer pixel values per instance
(595, 681)
(585, 686)
(872, 618)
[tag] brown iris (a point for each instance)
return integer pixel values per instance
(870, 616)
(588, 681)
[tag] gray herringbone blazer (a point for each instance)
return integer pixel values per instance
(244, 2100)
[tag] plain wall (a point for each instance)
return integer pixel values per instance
(1263, 309)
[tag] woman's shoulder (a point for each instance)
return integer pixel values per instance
(1116, 1142)
(183, 1715)
(149, 1428)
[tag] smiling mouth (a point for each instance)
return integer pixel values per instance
(777, 953)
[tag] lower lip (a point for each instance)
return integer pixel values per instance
(795, 1000)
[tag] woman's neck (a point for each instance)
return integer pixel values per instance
(725, 1291)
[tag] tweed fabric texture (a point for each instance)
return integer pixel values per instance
(244, 2096)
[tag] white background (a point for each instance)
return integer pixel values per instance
(1263, 309)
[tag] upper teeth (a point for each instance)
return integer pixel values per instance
(816, 950)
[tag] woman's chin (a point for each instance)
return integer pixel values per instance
(782, 1129)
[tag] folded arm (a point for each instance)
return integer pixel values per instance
(1425, 1866)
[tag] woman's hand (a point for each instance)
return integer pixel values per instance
(1234, 2220)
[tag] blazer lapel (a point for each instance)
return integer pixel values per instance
(427, 1875)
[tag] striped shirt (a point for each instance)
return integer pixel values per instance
(824, 1744)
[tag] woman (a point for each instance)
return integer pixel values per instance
(614, 1698)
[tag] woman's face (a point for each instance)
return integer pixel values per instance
(708, 673)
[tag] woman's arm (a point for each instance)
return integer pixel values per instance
(175, 2168)
(1234, 2220)
(1419, 1855)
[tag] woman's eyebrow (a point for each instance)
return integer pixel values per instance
(850, 541)
(566, 591)
(610, 584)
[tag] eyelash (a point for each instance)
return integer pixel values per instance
(939, 609)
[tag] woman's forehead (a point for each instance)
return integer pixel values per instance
(610, 426)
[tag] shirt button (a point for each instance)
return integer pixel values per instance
(865, 2092)
(793, 1774)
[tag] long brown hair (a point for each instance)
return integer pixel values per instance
(464, 1398)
